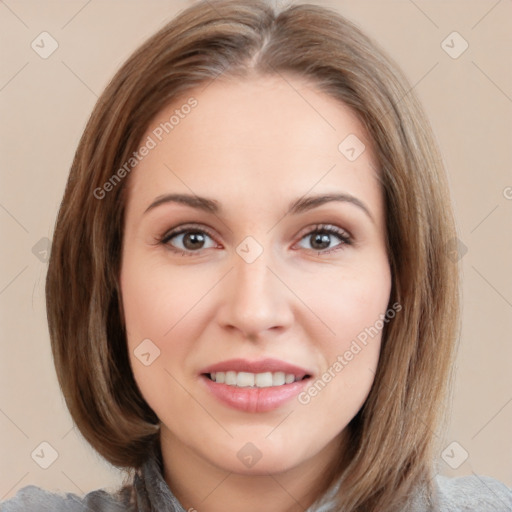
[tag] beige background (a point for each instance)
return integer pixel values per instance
(46, 102)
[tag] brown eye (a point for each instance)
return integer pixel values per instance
(321, 239)
(188, 240)
(193, 240)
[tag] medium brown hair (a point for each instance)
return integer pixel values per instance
(391, 437)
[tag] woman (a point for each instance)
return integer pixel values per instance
(249, 301)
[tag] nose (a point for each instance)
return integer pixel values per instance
(255, 298)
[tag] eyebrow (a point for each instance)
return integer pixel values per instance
(300, 205)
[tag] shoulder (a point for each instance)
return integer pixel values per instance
(31, 498)
(475, 492)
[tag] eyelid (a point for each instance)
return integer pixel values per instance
(324, 227)
(178, 230)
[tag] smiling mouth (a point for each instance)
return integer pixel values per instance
(255, 380)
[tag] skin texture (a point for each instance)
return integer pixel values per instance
(254, 146)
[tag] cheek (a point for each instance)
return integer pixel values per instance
(353, 305)
(159, 316)
(154, 306)
(156, 298)
(354, 308)
(351, 301)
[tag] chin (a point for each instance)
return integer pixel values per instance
(258, 458)
(274, 464)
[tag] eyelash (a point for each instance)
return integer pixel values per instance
(164, 239)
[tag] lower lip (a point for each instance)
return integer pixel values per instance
(255, 399)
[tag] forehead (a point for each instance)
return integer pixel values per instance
(265, 136)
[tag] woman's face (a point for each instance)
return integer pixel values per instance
(256, 278)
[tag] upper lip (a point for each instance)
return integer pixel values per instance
(261, 366)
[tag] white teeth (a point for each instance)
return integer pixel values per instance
(259, 380)
(289, 378)
(230, 378)
(263, 380)
(279, 378)
(244, 379)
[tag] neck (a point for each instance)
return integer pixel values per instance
(202, 486)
